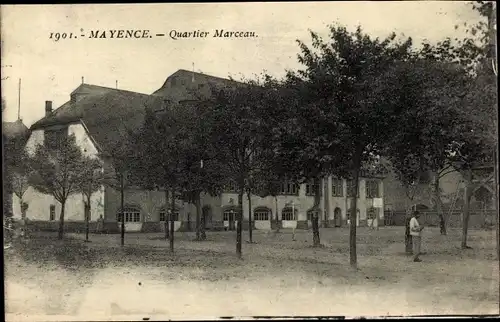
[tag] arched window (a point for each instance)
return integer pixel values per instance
(230, 214)
(289, 214)
(132, 214)
(261, 213)
(164, 214)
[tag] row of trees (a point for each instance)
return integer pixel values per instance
(356, 98)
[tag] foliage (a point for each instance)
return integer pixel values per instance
(428, 137)
(20, 173)
(57, 172)
(242, 119)
(339, 118)
(91, 178)
(174, 151)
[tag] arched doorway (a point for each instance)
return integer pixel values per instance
(262, 218)
(337, 217)
(289, 217)
(229, 216)
(310, 215)
(165, 215)
(132, 217)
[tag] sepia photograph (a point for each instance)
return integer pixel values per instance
(260, 160)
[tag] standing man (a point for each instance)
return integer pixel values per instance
(416, 235)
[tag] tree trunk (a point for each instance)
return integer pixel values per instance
(250, 228)
(202, 227)
(316, 213)
(172, 221)
(239, 225)
(354, 206)
(277, 215)
(87, 218)
(122, 206)
(198, 215)
(466, 210)
(61, 221)
(23, 211)
(439, 208)
(408, 240)
(165, 223)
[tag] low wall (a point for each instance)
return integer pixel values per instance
(69, 226)
(477, 219)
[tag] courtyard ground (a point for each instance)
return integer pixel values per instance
(48, 279)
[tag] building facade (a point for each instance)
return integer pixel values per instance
(96, 116)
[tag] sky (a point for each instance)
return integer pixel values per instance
(51, 70)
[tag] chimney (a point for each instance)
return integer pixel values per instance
(48, 108)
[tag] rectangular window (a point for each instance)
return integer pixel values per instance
(130, 214)
(288, 188)
(337, 188)
(52, 214)
(53, 139)
(350, 188)
(311, 187)
(372, 190)
(163, 216)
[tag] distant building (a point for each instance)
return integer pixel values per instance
(398, 200)
(98, 116)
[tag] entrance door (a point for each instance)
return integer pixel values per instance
(230, 219)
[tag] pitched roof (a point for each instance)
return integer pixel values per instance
(15, 129)
(184, 85)
(107, 113)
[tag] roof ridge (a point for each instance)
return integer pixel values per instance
(108, 88)
(207, 75)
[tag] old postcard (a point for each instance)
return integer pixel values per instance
(250, 160)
